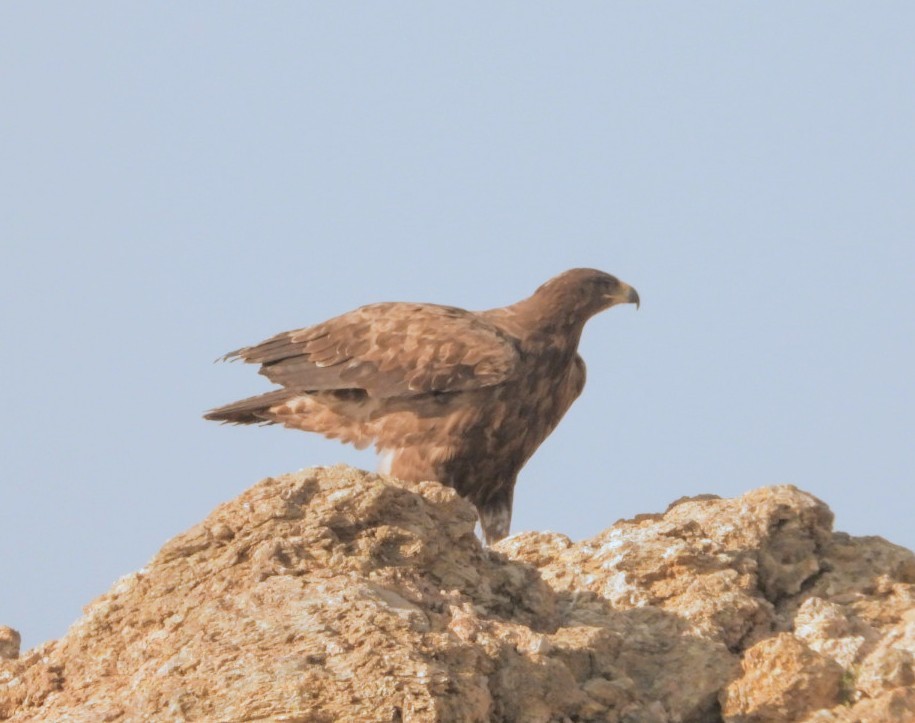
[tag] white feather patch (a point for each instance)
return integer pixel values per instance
(386, 459)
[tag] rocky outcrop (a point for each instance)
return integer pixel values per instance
(333, 594)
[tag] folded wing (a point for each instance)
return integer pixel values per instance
(388, 350)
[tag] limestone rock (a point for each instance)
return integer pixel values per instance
(9, 643)
(782, 680)
(334, 594)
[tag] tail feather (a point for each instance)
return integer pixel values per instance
(253, 410)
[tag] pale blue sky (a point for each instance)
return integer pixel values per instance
(180, 179)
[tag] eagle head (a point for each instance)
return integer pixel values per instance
(588, 291)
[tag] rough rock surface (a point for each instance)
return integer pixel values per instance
(334, 594)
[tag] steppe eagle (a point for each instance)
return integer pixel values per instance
(461, 397)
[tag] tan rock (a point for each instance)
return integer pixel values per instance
(333, 594)
(891, 664)
(9, 643)
(826, 628)
(782, 680)
(895, 706)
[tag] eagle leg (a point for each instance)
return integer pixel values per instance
(496, 515)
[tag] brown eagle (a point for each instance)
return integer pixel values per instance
(461, 397)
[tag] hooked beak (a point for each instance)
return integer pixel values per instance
(624, 295)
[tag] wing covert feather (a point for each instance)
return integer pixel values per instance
(389, 349)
